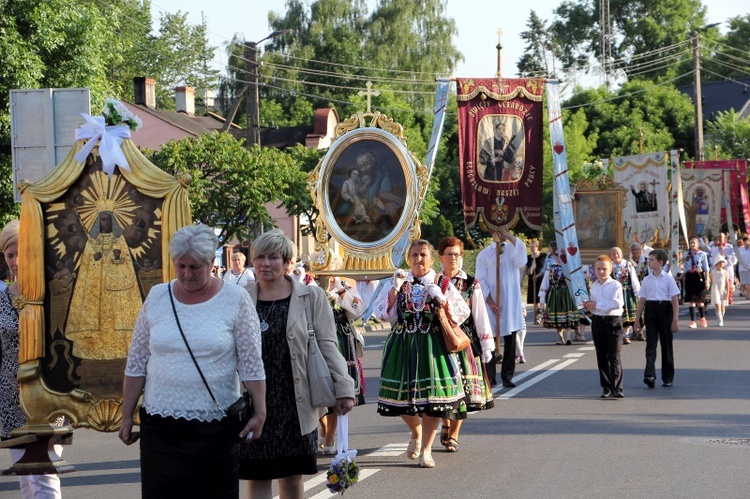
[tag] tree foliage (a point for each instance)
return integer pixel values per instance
(637, 27)
(731, 134)
(230, 183)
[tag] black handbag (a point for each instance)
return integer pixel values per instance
(240, 412)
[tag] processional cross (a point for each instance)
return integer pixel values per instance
(369, 93)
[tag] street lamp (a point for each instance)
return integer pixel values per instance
(697, 92)
(253, 97)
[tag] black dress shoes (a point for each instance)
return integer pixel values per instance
(651, 382)
(667, 384)
(618, 394)
(509, 384)
(606, 394)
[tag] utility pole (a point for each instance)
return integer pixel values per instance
(253, 94)
(252, 100)
(698, 100)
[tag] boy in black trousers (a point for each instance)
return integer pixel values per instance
(659, 297)
(606, 304)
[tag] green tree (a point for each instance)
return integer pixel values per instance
(637, 28)
(534, 61)
(731, 134)
(177, 56)
(230, 183)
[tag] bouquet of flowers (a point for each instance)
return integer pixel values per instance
(115, 113)
(344, 472)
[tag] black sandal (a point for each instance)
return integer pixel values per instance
(444, 435)
(452, 445)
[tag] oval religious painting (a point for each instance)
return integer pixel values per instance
(367, 189)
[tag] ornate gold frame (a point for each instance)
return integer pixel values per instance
(612, 201)
(365, 258)
(40, 403)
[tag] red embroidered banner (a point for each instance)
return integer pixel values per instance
(738, 194)
(500, 150)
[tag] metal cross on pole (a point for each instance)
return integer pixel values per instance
(369, 93)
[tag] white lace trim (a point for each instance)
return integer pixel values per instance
(224, 335)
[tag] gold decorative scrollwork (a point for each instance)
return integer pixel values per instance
(366, 213)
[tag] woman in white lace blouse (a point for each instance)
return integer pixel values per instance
(187, 450)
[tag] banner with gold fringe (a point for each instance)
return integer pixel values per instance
(500, 150)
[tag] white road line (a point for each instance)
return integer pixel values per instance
(515, 391)
(390, 450)
(587, 349)
(363, 474)
(376, 345)
(527, 373)
(574, 355)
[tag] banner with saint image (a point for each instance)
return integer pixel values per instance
(703, 193)
(645, 178)
(738, 195)
(500, 150)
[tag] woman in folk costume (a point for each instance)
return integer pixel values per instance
(477, 327)
(624, 272)
(419, 377)
(347, 307)
(696, 272)
(559, 309)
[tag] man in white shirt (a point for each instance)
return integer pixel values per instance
(498, 269)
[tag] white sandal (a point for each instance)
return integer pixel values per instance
(413, 449)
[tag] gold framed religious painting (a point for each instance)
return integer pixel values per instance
(97, 243)
(598, 220)
(366, 190)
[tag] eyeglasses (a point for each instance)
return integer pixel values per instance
(452, 255)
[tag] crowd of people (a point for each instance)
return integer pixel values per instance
(202, 339)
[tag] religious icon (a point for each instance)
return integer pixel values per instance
(501, 143)
(97, 231)
(645, 199)
(368, 191)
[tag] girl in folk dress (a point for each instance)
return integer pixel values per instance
(624, 272)
(696, 274)
(720, 288)
(558, 307)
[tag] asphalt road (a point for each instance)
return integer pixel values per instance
(552, 436)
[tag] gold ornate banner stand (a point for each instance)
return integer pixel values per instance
(367, 190)
(148, 206)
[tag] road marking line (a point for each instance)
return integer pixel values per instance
(376, 345)
(587, 349)
(573, 355)
(527, 373)
(390, 450)
(515, 391)
(363, 474)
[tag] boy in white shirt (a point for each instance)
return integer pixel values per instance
(606, 304)
(658, 297)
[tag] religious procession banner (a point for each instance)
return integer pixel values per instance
(646, 214)
(565, 229)
(677, 210)
(703, 194)
(500, 150)
(96, 233)
(738, 195)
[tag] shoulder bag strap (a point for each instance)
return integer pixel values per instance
(190, 351)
